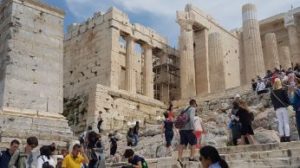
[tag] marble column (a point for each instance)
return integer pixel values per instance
(285, 57)
(216, 63)
(201, 62)
(253, 52)
(130, 75)
(164, 87)
(187, 68)
(148, 72)
(293, 38)
(271, 57)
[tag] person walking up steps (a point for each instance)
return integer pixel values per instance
(185, 123)
(199, 130)
(280, 101)
(244, 116)
(167, 128)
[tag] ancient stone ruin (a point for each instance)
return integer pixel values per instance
(55, 84)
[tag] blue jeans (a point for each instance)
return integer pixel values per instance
(136, 139)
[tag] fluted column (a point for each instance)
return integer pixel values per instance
(271, 57)
(148, 72)
(187, 68)
(216, 63)
(293, 38)
(130, 75)
(254, 60)
(285, 57)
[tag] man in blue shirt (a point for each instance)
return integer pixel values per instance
(6, 155)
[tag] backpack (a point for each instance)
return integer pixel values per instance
(182, 119)
(46, 164)
(144, 163)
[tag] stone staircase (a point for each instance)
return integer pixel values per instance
(283, 155)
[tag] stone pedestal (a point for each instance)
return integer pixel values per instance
(187, 68)
(285, 57)
(148, 72)
(252, 43)
(216, 63)
(130, 75)
(47, 127)
(271, 57)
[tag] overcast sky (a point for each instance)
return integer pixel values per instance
(160, 15)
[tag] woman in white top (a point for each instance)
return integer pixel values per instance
(46, 158)
(198, 130)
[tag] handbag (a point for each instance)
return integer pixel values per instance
(290, 108)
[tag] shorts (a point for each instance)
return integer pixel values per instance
(169, 137)
(187, 137)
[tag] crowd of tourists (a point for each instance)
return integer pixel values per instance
(284, 89)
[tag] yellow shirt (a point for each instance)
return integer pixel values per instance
(71, 162)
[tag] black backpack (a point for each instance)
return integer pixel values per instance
(46, 164)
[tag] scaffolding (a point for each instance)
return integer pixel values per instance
(166, 79)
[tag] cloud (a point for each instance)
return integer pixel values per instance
(163, 12)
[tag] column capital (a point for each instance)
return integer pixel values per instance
(289, 20)
(185, 25)
(147, 46)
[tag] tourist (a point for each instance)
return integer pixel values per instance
(99, 124)
(130, 137)
(171, 114)
(45, 160)
(280, 101)
(113, 144)
(83, 137)
(168, 131)
(261, 87)
(295, 99)
(76, 158)
(210, 158)
(8, 153)
(234, 124)
(187, 133)
(135, 160)
(136, 129)
(95, 150)
(199, 130)
(254, 84)
(244, 116)
(24, 158)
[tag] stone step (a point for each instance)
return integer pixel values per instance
(270, 162)
(261, 147)
(263, 154)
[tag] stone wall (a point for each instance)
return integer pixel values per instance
(31, 53)
(118, 109)
(32, 45)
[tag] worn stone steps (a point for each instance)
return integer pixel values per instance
(263, 154)
(261, 147)
(268, 162)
